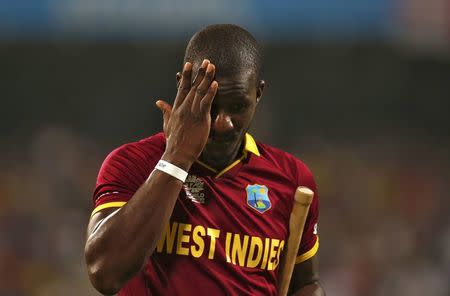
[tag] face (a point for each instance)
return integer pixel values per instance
(231, 114)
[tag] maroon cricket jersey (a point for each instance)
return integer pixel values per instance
(228, 229)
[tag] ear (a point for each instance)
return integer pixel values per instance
(260, 90)
(178, 78)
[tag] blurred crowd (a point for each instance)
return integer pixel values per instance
(46, 185)
(384, 223)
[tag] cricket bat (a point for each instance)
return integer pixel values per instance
(302, 200)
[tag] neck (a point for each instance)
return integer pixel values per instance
(220, 164)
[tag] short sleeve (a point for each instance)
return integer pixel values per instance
(122, 173)
(310, 239)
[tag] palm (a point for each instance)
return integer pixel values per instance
(188, 122)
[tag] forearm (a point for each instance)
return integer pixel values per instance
(313, 289)
(117, 249)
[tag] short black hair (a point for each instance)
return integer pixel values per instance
(229, 47)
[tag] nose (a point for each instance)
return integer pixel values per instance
(221, 122)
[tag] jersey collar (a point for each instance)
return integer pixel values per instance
(249, 146)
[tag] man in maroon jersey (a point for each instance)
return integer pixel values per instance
(203, 208)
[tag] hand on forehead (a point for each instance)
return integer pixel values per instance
(235, 70)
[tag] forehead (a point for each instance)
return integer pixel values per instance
(243, 83)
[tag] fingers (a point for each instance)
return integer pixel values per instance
(203, 87)
(200, 73)
(198, 95)
(165, 108)
(206, 102)
(184, 86)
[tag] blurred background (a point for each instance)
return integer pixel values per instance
(358, 89)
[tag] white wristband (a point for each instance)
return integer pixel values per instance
(171, 169)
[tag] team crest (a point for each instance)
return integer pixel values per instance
(258, 197)
(194, 186)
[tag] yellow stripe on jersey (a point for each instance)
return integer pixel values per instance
(207, 166)
(309, 254)
(114, 204)
(231, 165)
(249, 146)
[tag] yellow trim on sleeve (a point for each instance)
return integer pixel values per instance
(114, 204)
(309, 254)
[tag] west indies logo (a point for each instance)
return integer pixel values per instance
(258, 197)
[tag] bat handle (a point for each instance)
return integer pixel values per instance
(304, 195)
(302, 200)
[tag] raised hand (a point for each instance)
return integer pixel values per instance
(187, 123)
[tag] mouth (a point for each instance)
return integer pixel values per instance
(220, 148)
(221, 140)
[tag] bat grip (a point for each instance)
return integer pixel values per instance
(302, 200)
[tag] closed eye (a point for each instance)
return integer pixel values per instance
(238, 107)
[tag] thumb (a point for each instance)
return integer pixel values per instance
(165, 108)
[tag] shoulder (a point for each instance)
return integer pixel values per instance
(139, 154)
(140, 150)
(287, 162)
(127, 167)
